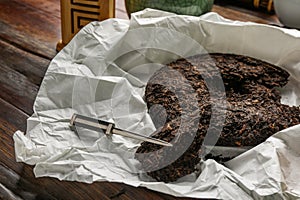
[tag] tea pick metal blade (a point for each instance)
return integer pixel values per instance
(109, 129)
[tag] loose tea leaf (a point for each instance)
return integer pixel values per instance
(253, 109)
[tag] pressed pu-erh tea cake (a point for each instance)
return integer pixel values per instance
(252, 112)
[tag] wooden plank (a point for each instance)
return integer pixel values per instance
(51, 8)
(14, 118)
(241, 14)
(17, 89)
(14, 184)
(29, 65)
(257, 7)
(11, 120)
(7, 194)
(144, 193)
(29, 28)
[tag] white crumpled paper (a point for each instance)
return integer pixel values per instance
(96, 75)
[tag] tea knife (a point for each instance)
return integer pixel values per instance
(109, 129)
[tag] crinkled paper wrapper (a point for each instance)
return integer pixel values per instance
(93, 76)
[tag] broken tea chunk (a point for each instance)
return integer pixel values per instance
(179, 96)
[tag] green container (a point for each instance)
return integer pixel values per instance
(183, 7)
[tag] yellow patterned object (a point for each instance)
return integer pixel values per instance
(268, 4)
(77, 13)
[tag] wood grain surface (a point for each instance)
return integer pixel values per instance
(29, 32)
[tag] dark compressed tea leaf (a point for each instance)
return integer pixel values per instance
(253, 109)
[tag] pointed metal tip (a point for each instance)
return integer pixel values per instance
(168, 144)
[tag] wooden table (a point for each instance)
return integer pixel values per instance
(29, 31)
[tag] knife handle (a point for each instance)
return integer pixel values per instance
(92, 124)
